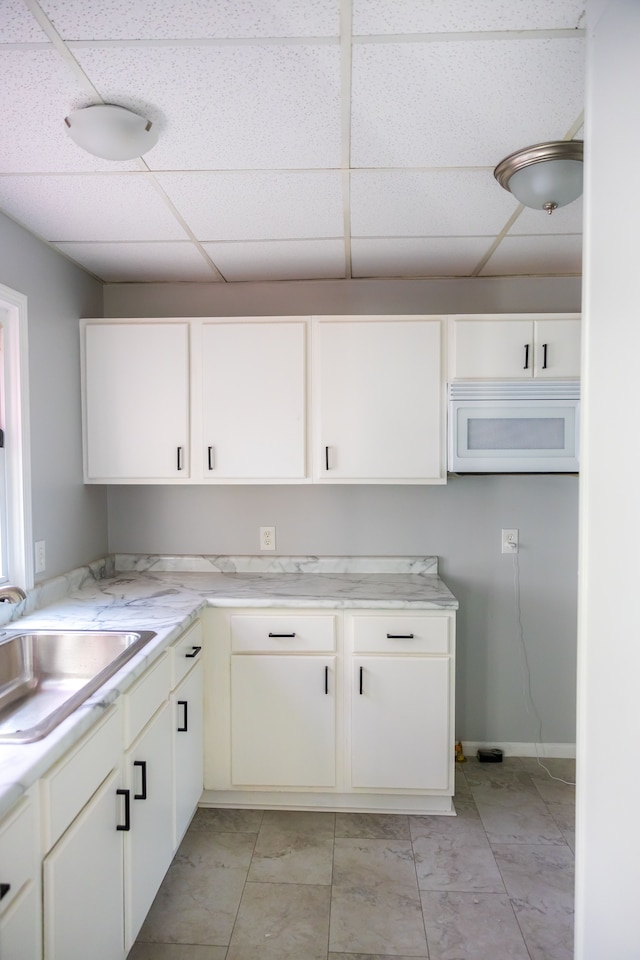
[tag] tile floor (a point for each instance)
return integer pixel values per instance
(493, 883)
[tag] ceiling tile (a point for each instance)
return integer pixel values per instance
(536, 256)
(36, 93)
(258, 205)
(99, 207)
(141, 262)
(18, 25)
(192, 19)
(497, 95)
(563, 220)
(441, 16)
(279, 260)
(419, 257)
(229, 107)
(407, 203)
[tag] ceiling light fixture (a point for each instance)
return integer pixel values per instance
(111, 132)
(544, 176)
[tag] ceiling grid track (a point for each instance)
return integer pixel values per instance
(345, 95)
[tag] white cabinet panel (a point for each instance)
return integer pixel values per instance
(136, 386)
(20, 927)
(378, 401)
(254, 400)
(186, 704)
(511, 348)
(557, 348)
(20, 906)
(83, 883)
(283, 721)
(401, 734)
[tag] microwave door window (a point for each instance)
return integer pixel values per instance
(500, 434)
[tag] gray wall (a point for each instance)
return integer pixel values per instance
(460, 522)
(70, 517)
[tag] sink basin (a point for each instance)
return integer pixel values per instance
(46, 675)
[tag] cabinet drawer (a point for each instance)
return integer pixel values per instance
(185, 652)
(144, 698)
(17, 846)
(74, 780)
(393, 634)
(286, 633)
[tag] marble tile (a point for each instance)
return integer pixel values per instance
(564, 815)
(294, 847)
(539, 880)
(456, 865)
(281, 922)
(467, 827)
(372, 863)
(175, 951)
(373, 826)
(511, 790)
(384, 920)
(554, 791)
(472, 926)
(564, 767)
(530, 822)
(227, 820)
(199, 897)
(363, 956)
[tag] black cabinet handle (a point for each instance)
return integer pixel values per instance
(143, 771)
(194, 653)
(326, 458)
(127, 810)
(4, 889)
(361, 672)
(183, 728)
(544, 356)
(526, 356)
(179, 461)
(210, 457)
(326, 680)
(399, 636)
(282, 634)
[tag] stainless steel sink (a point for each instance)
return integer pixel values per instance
(46, 675)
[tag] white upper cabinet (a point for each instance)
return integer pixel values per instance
(136, 401)
(254, 410)
(378, 411)
(514, 348)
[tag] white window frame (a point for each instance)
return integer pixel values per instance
(18, 561)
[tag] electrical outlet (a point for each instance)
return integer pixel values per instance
(40, 556)
(267, 538)
(510, 540)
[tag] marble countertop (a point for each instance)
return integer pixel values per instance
(165, 594)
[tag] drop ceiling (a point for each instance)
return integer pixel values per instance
(299, 139)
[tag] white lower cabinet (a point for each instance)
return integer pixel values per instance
(83, 882)
(20, 910)
(186, 712)
(351, 710)
(283, 720)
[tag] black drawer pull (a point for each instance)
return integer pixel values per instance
(399, 636)
(361, 672)
(127, 810)
(544, 356)
(184, 727)
(276, 635)
(4, 889)
(179, 463)
(526, 356)
(143, 771)
(326, 680)
(194, 653)
(326, 458)
(210, 458)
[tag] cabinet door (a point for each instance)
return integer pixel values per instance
(20, 930)
(379, 405)
(187, 740)
(254, 400)
(149, 844)
(557, 348)
(492, 349)
(83, 883)
(401, 732)
(136, 401)
(283, 721)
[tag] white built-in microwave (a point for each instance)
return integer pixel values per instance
(514, 426)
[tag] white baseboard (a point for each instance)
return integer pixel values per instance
(565, 750)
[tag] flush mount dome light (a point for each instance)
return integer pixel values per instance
(545, 176)
(111, 132)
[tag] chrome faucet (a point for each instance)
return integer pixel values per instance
(12, 594)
